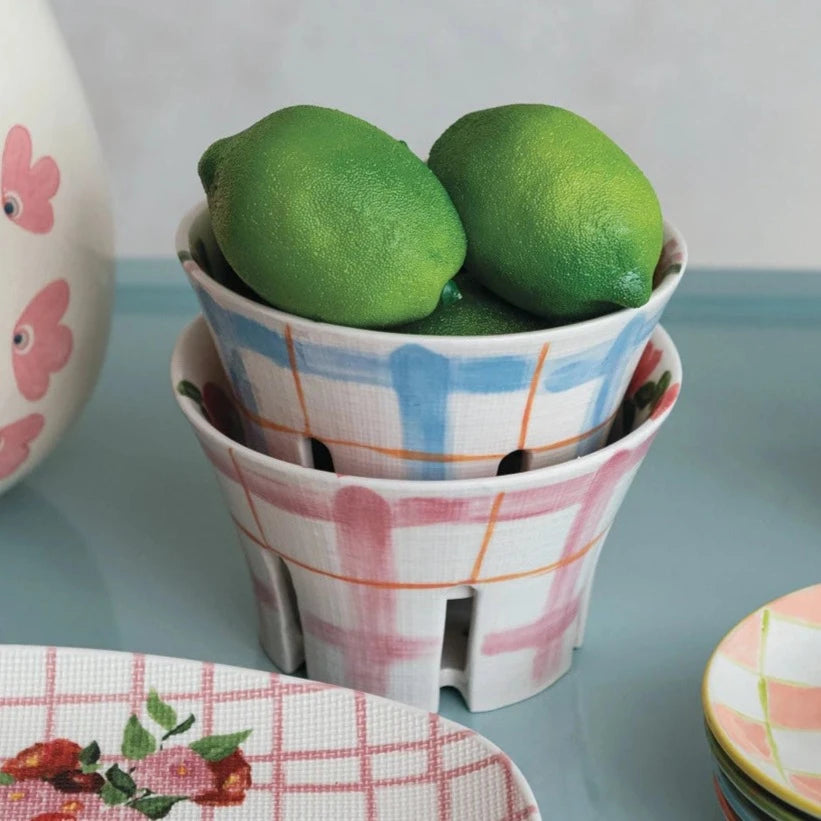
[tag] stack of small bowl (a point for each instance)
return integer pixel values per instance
(762, 705)
(421, 511)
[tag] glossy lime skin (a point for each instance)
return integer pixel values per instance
(559, 220)
(478, 313)
(328, 217)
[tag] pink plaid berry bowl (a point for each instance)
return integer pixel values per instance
(117, 736)
(399, 587)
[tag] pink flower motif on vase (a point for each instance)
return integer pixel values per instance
(26, 188)
(15, 441)
(41, 344)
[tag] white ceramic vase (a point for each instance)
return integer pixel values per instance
(56, 235)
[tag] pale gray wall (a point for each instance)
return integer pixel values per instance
(719, 101)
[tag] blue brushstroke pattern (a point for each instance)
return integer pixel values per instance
(421, 380)
(494, 374)
(229, 339)
(603, 362)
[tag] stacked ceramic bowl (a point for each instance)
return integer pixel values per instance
(421, 511)
(762, 703)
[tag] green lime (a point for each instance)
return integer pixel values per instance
(559, 220)
(479, 312)
(325, 216)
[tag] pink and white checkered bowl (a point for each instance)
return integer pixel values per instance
(400, 587)
(419, 407)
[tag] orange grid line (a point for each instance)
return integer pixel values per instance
(491, 526)
(420, 455)
(262, 540)
(289, 341)
(386, 585)
(531, 394)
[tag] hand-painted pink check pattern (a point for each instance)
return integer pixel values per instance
(316, 751)
(371, 565)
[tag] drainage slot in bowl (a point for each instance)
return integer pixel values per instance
(290, 594)
(514, 462)
(321, 456)
(458, 620)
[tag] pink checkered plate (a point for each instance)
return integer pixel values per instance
(102, 735)
(762, 697)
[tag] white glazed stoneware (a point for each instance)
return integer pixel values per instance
(216, 743)
(399, 587)
(419, 407)
(56, 241)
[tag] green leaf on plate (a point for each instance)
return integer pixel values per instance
(180, 728)
(121, 780)
(161, 712)
(137, 741)
(217, 747)
(156, 806)
(112, 796)
(6, 779)
(90, 754)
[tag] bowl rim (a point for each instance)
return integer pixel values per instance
(658, 299)
(544, 475)
(780, 791)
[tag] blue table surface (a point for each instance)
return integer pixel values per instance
(120, 539)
